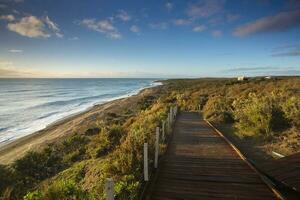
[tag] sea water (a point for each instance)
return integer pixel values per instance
(29, 105)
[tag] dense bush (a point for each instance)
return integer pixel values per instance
(218, 109)
(65, 190)
(39, 165)
(258, 115)
(7, 181)
(291, 109)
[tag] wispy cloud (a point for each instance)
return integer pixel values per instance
(7, 70)
(104, 26)
(199, 28)
(34, 27)
(280, 22)
(15, 51)
(262, 71)
(182, 22)
(247, 69)
(123, 15)
(286, 51)
(9, 18)
(135, 29)
(159, 25)
(74, 38)
(53, 26)
(205, 8)
(169, 6)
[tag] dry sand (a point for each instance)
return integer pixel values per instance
(68, 126)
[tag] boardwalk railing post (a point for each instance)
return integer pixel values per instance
(163, 130)
(146, 176)
(109, 189)
(156, 147)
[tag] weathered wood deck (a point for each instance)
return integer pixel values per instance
(199, 164)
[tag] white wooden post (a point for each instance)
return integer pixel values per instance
(109, 189)
(156, 147)
(146, 176)
(163, 130)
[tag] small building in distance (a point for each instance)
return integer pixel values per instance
(268, 77)
(241, 78)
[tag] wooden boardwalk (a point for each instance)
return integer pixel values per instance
(199, 164)
(285, 170)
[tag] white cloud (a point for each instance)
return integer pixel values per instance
(205, 8)
(15, 51)
(33, 27)
(169, 6)
(103, 26)
(199, 28)
(217, 33)
(9, 18)
(182, 22)
(135, 29)
(123, 15)
(29, 26)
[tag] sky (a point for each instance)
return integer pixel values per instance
(157, 39)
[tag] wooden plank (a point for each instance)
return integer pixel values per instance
(199, 164)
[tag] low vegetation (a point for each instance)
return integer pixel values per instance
(261, 112)
(77, 168)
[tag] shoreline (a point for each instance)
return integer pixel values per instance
(82, 110)
(60, 129)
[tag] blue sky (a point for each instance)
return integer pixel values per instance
(97, 38)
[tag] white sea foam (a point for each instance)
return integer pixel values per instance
(30, 108)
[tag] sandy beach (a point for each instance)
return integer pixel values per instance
(73, 124)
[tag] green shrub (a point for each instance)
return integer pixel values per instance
(7, 181)
(74, 142)
(291, 109)
(202, 101)
(127, 188)
(64, 190)
(218, 109)
(39, 165)
(258, 115)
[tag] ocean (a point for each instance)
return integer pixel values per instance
(29, 105)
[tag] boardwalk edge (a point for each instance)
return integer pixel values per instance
(263, 178)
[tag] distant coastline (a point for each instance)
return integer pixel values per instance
(68, 125)
(50, 119)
